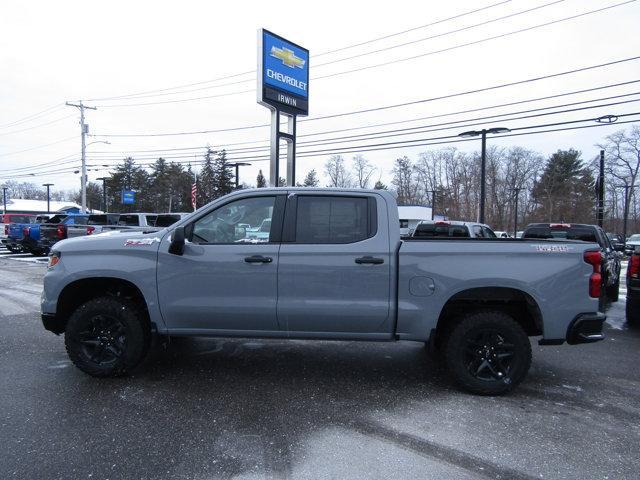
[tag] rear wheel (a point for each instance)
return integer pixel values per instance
(107, 337)
(13, 249)
(633, 312)
(488, 353)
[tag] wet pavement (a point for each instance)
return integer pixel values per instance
(254, 409)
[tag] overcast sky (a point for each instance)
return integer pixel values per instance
(52, 52)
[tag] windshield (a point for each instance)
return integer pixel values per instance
(634, 238)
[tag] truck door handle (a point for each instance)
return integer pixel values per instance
(368, 259)
(258, 259)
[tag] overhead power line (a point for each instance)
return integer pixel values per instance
(410, 120)
(450, 139)
(36, 126)
(331, 62)
(463, 123)
(327, 52)
(2, 155)
(392, 62)
(388, 107)
(33, 116)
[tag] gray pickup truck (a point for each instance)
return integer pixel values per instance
(332, 267)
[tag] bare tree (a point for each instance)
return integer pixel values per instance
(338, 172)
(363, 171)
(405, 182)
(622, 150)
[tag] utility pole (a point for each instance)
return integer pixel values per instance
(104, 193)
(4, 199)
(84, 129)
(433, 202)
(516, 190)
(48, 185)
(483, 161)
(600, 192)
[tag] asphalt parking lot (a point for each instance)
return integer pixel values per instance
(253, 409)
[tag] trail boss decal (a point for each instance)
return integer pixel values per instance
(552, 248)
(139, 242)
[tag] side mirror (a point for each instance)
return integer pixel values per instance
(176, 247)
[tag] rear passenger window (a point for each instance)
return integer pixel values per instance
(129, 221)
(332, 219)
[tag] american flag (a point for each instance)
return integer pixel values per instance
(194, 194)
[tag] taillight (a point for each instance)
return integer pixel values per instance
(6, 229)
(560, 225)
(90, 230)
(25, 231)
(60, 232)
(594, 258)
(634, 266)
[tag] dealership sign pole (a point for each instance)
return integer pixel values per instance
(283, 87)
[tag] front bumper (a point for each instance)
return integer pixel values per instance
(586, 328)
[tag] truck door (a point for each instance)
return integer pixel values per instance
(226, 279)
(334, 272)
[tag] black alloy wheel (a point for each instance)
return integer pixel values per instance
(487, 352)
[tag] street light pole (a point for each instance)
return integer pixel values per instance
(600, 192)
(515, 216)
(483, 162)
(48, 185)
(433, 202)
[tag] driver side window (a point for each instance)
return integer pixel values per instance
(247, 220)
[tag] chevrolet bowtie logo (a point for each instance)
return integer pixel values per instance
(287, 56)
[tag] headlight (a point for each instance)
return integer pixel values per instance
(54, 258)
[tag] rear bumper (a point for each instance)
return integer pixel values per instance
(52, 323)
(586, 328)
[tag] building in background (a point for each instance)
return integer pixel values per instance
(410, 216)
(19, 205)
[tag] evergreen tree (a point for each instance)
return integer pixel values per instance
(311, 180)
(261, 182)
(565, 192)
(222, 175)
(206, 180)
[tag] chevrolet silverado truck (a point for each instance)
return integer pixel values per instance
(333, 267)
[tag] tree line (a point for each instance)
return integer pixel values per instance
(561, 187)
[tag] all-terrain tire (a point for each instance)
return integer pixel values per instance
(633, 312)
(107, 336)
(487, 353)
(613, 292)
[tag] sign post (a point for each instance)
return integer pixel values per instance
(283, 87)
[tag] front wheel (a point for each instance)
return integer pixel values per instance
(488, 353)
(107, 337)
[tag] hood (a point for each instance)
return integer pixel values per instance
(111, 241)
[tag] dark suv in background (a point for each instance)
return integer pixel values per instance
(586, 233)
